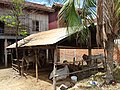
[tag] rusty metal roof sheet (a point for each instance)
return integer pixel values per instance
(44, 38)
(30, 5)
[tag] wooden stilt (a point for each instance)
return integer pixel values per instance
(47, 55)
(22, 68)
(89, 49)
(55, 68)
(5, 45)
(36, 64)
(12, 57)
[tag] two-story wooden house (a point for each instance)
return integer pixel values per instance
(36, 19)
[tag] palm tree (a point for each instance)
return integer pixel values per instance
(108, 22)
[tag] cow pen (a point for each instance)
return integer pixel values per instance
(81, 68)
(51, 40)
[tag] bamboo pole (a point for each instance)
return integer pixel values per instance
(55, 68)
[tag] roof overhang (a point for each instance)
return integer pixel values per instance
(45, 38)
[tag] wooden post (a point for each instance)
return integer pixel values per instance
(89, 45)
(12, 57)
(54, 70)
(47, 55)
(64, 54)
(36, 64)
(89, 50)
(74, 58)
(22, 68)
(5, 45)
(89, 41)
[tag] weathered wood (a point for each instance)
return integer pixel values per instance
(5, 45)
(54, 71)
(22, 68)
(36, 64)
(36, 47)
(89, 45)
(47, 55)
(68, 47)
(78, 71)
(14, 65)
(15, 69)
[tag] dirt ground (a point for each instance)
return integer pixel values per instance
(10, 80)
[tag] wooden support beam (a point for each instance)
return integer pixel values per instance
(47, 55)
(55, 68)
(68, 47)
(5, 45)
(22, 68)
(89, 45)
(36, 47)
(36, 64)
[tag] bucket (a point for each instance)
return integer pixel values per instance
(74, 78)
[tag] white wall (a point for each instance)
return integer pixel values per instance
(28, 20)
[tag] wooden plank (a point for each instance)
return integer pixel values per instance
(20, 60)
(15, 65)
(59, 63)
(15, 69)
(36, 47)
(78, 71)
(67, 47)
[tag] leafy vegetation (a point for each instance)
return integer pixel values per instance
(13, 19)
(107, 13)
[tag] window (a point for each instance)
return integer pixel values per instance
(41, 25)
(35, 25)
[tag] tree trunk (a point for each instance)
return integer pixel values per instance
(118, 54)
(110, 49)
(17, 56)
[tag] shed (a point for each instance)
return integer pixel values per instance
(56, 38)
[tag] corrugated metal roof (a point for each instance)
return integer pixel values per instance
(43, 38)
(31, 5)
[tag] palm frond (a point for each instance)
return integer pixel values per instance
(69, 14)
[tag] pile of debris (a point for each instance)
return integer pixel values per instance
(97, 82)
(116, 74)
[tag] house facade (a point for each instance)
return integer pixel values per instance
(53, 17)
(35, 20)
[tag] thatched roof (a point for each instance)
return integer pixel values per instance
(44, 38)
